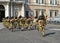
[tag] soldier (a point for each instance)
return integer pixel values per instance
(11, 27)
(18, 22)
(22, 23)
(6, 22)
(28, 23)
(15, 22)
(41, 24)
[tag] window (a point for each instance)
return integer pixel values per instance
(56, 2)
(53, 13)
(50, 13)
(37, 1)
(40, 1)
(15, 11)
(53, 2)
(26, 14)
(40, 12)
(27, 1)
(56, 13)
(43, 1)
(36, 13)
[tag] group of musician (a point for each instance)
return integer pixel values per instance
(25, 23)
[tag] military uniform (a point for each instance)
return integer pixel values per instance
(28, 23)
(11, 27)
(8, 22)
(3, 21)
(41, 23)
(15, 23)
(18, 23)
(22, 23)
(41, 26)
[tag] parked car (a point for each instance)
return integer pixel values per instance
(54, 20)
(57, 19)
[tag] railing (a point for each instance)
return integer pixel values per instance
(19, 0)
(47, 4)
(4, 0)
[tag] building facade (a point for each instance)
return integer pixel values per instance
(26, 8)
(50, 8)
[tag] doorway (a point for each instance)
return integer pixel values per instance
(26, 14)
(2, 12)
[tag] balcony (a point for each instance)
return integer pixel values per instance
(44, 4)
(4, 0)
(19, 1)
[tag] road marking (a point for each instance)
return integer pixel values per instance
(1, 28)
(54, 29)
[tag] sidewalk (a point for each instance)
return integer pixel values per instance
(53, 25)
(1, 25)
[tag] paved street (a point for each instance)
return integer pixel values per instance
(33, 36)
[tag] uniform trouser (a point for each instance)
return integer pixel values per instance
(22, 26)
(11, 26)
(6, 24)
(16, 24)
(27, 25)
(42, 29)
